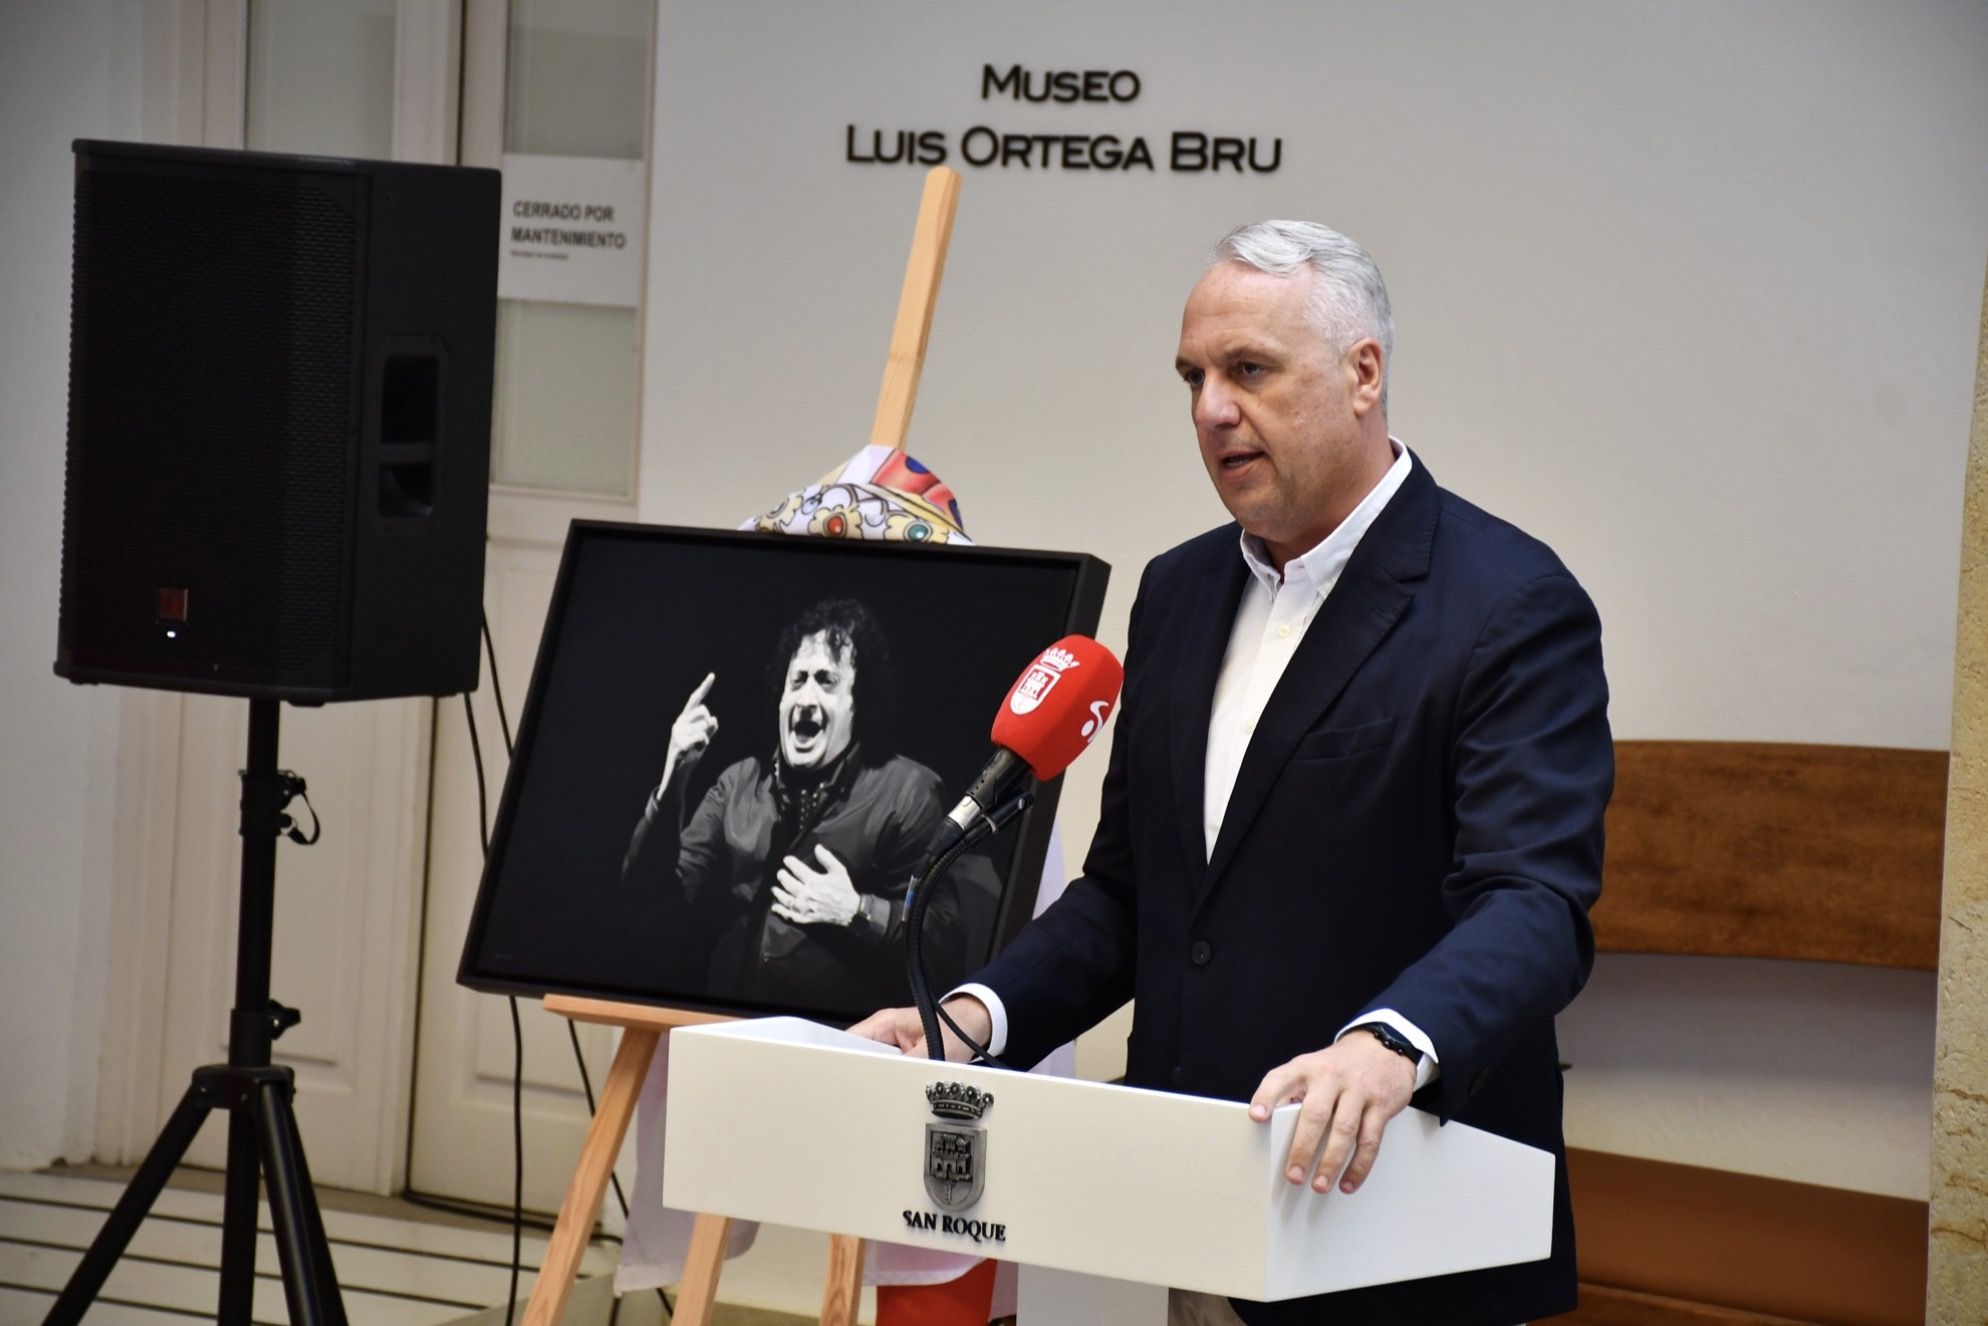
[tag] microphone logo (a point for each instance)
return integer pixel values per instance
(1040, 680)
(1100, 710)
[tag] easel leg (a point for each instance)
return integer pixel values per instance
(698, 1294)
(842, 1292)
(905, 363)
(590, 1176)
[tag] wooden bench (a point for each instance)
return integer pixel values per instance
(1816, 853)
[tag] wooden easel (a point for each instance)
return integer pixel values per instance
(643, 1027)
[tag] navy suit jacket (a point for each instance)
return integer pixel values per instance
(1416, 825)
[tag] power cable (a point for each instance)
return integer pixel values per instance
(517, 1039)
(572, 1028)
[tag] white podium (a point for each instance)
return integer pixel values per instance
(784, 1121)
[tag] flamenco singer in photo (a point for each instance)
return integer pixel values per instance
(799, 861)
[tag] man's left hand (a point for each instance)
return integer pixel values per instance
(1349, 1091)
(807, 896)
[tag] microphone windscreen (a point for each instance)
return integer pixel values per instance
(1059, 704)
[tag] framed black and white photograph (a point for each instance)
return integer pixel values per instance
(736, 752)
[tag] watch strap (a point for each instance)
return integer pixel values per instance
(1393, 1040)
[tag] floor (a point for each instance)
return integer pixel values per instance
(398, 1265)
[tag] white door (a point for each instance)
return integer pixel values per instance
(552, 78)
(365, 78)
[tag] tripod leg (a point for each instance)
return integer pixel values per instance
(320, 1246)
(238, 1222)
(88, 1278)
(275, 1131)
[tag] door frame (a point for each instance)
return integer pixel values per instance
(527, 530)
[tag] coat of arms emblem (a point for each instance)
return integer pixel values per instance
(1040, 680)
(955, 1148)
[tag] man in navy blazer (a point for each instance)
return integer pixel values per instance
(1352, 824)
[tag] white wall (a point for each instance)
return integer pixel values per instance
(67, 70)
(1689, 290)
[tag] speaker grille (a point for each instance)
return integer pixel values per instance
(213, 411)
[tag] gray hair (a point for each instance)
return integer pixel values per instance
(1349, 299)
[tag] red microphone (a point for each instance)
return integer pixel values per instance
(1053, 712)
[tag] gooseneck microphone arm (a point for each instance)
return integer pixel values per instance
(1051, 714)
(987, 790)
(930, 1015)
(914, 944)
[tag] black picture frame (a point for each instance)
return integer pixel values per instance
(639, 615)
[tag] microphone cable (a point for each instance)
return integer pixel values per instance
(930, 1014)
(914, 951)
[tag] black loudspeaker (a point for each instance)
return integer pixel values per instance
(279, 423)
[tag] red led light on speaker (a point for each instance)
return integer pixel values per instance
(172, 604)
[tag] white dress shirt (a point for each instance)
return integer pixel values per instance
(1276, 611)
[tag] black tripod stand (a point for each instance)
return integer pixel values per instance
(262, 1130)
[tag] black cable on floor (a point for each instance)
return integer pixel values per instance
(517, 1039)
(496, 686)
(517, 1154)
(477, 1211)
(482, 792)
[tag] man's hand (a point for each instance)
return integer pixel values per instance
(807, 896)
(901, 1027)
(1349, 1092)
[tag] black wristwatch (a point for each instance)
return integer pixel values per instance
(1393, 1039)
